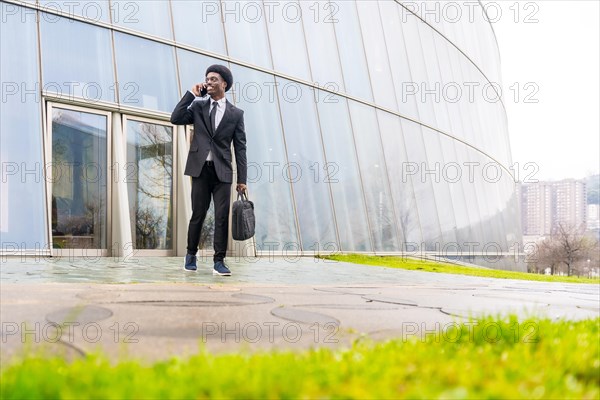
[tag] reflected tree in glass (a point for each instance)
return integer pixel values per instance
(78, 179)
(150, 184)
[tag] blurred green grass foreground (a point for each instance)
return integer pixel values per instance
(486, 358)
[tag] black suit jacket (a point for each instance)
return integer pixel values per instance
(231, 128)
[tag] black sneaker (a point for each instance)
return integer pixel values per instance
(221, 269)
(190, 263)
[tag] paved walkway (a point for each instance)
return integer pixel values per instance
(158, 310)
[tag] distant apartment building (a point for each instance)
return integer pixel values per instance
(536, 208)
(546, 204)
(593, 217)
(570, 202)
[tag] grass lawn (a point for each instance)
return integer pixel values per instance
(491, 359)
(433, 266)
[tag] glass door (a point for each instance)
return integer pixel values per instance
(150, 184)
(78, 183)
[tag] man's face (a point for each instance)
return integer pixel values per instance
(215, 84)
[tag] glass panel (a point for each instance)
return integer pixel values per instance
(451, 97)
(472, 232)
(267, 161)
(418, 69)
(351, 48)
(286, 37)
(511, 213)
(149, 16)
(401, 183)
(192, 67)
(146, 72)
(198, 23)
(305, 168)
(403, 81)
(22, 194)
(469, 75)
(319, 19)
(91, 10)
(374, 174)
(79, 171)
(435, 82)
(433, 170)
(246, 32)
(376, 51)
(453, 177)
(492, 176)
(463, 104)
(484, 198)
(343, 174)
(208, 230)
(77, 59)
(150, 193)
(472, 195)
(424, 195)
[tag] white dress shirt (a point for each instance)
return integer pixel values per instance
(218, 117)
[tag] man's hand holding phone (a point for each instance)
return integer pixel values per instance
(199, 89)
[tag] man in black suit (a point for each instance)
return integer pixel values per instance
(217, 123)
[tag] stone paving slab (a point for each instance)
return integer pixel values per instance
(152, 309)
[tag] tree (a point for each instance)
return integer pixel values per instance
(566, 250)
(545, 256)
(572, 245)
(588, 263)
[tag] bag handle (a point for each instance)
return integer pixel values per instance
(243, 195)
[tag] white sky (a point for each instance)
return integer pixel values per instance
(560, 53)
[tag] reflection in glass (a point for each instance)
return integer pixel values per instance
(149, 16)
(376, 52)
(401, 183)
(399, 66)
(192, 67)
(79, 170)
(208, 230)
(199, 24)
(251, 42)
(77, 59)
(351, 48)
(434, 76)
(373, 169)
(267, 186)
(91, 10)
(418, 69)
(306, 167)
(423, 189)
(343, 174)
(150, 184)
(22, 196)
(435, 163)
(322, 49)
(146, 71)
(286, 36)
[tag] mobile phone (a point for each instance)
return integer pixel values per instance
(203, 92)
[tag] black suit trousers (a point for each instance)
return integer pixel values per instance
(203, 187)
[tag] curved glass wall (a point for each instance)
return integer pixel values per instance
(372, 126)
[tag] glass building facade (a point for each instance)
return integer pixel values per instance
(373, 126)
